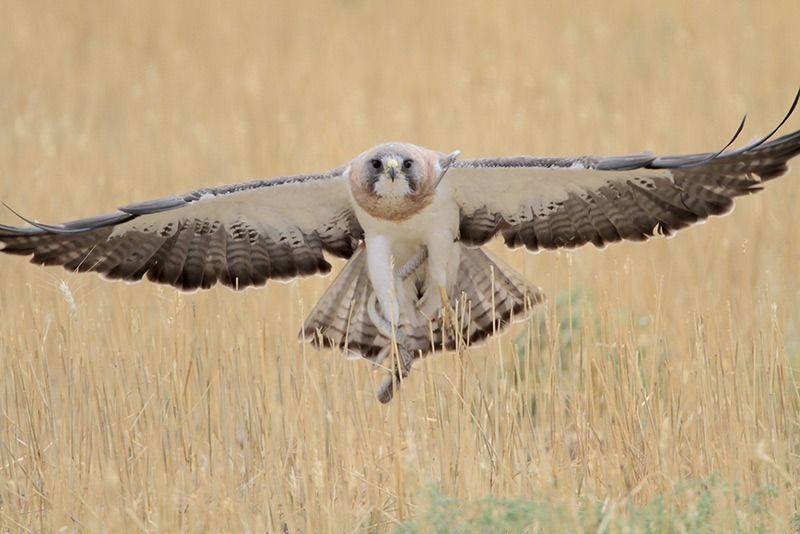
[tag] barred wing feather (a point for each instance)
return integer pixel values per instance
(239, 235)
(549, 203)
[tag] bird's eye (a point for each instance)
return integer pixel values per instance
(407, 164)
(376, 164)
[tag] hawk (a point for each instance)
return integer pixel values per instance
(411, 221)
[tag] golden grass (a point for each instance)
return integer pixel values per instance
(138, 408)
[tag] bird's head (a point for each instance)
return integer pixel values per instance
(397, 177)
(398, 170)
(393, 172)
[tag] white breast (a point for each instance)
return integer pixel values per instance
(407, 236)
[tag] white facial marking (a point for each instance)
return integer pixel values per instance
(388, 188)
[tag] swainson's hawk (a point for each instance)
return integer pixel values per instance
(411, 221)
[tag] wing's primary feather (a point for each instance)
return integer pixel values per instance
(240, 235)
(547, 203)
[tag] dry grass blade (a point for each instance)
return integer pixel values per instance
(657, 390)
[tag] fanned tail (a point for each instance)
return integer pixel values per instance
(487, 297)
(490, 295)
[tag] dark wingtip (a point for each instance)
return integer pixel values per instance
(49, 228)
(73, 227)
(759, 142)
(698, 159)
(35, 225)
(718, 153)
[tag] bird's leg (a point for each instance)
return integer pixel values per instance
(397, 347)
(379, 266)
(443, 260)
(448, 313)
(443, 295)
(431, 301)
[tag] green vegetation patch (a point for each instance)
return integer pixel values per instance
(694, 506)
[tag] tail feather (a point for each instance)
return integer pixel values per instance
(340, 318)
(487, 296)
(492, 294)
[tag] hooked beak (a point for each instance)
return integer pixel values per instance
(391, 166)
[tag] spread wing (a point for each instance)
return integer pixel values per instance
(240, 235)
(548, 203)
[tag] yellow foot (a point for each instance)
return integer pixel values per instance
(449, 317)
(436, 306)
(445, 299)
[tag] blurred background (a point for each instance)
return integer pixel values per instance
(109, 389)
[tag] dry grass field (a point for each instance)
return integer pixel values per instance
(656, 391)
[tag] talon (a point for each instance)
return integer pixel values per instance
(387, 322)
